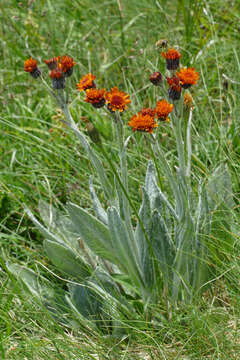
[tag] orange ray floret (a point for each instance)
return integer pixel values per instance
(174, 91)
(148, 111)
(95, 97)
(172, 57)
(187, 77)
(52, 63)
(174, 83)
(67, 63)
(141, 122)
(163, 109)
(171, 54)
(117, 100)
(86, 82)
(30, 65)
(56, 73)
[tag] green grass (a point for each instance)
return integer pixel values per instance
(116, 41)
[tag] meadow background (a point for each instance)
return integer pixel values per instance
(41, 159)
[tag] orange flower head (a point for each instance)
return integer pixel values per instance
(174, 91)
(52, 63)
(56, 73)
(163, 109)
(30, 65)
(95, 97)
(117, 100)
(172, 57)
(67, 64)
(148, 111)
(86, 82)
(141, 122)
(58, 78)
(187, 77)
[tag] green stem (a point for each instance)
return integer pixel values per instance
(177, 129)
(189, 144)
(170, 177)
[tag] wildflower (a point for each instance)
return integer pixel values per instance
(188, 100)
(141, 122)
(58, 78)
(117, 100)
(86, 82)
(67, 64)
(148, 111)
(163, 109)
(95, 97)
(172, 57)
(52, 63)
(30, 65)
(187, 77)
(174, 91)
(156, 78)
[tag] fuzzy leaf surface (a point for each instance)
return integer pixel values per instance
(93, 232)
(66, 260)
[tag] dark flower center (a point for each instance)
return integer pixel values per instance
(117, 100)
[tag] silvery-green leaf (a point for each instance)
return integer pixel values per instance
(93, 232)
(59, 224)
(42, 229)
(146, 254)
(86, 301)
(152, 188)
(66, 260)
(162, 245)
(108, 291)
(98, 209)
(200, 268)
(183, 262)
(157, 198)
(126, 249)
(29, 277)
(120, 195)
(91, 298)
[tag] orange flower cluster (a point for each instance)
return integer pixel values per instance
(115, 99)
(118, 100)
(145, 119)
(60, 68)
(179, 80)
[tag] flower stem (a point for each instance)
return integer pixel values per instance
(189, 144)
